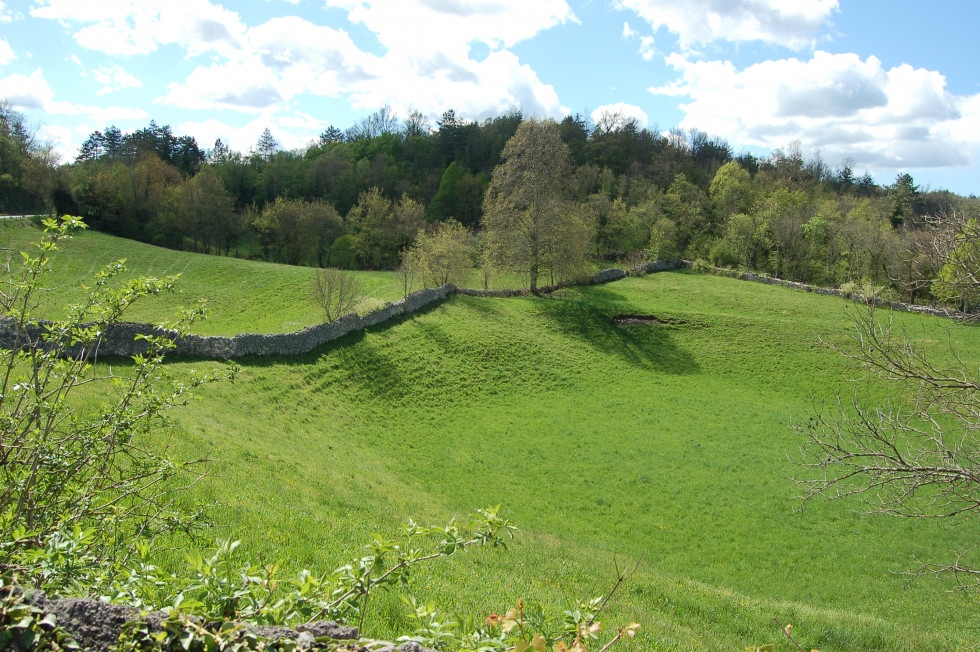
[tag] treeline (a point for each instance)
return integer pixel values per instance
(359, 197)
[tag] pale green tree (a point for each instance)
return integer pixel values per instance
(742, 237)
(382, 228)
(530, 225)
(663, 240)
(731, 191)
(442, 255)
(958, 249)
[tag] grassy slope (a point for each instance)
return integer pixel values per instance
(242, 296)
(660, 445)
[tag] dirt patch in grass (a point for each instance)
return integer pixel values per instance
(639, 320)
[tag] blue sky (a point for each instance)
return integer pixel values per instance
(890, 85)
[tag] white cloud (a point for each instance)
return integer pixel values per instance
(32, 92)
(290, 56)
(6, 15)
(646, 42)
(837, 103)
(614, 116)
(425, 64)
(66, 140)
(283, 58)
(127, 27)
(476, 90)
(790, 23)
(6, 53)
(244, 137)
(114, 78)
(425, 27)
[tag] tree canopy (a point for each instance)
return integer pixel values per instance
(531, 226)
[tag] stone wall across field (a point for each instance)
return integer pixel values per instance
(853, 296)
(124, 339)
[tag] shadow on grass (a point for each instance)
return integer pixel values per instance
(589, 321)
(585, 318)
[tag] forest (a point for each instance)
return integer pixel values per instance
(359, 198)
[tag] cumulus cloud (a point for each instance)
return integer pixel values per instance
(424, 27)
(128, 27)
(699, 22)
(6, 53)
(646, 42)
(425, 64)
(899, 117)
(476, 90)
(244, 137)
(615, 116)
(283, 58)
(32, 92)
(114, 78)
(287, 57)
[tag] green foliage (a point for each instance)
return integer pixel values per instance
(721, 255)
(445, 203)
(529, 222)
(958, 278)
(442, 255)
(78, 485)
(731, 191)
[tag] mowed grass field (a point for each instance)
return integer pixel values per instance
(668, 447)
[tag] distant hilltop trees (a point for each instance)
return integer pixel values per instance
(360, 197)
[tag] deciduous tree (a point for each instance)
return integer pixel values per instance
(442, 255)
(530, 224)
(336, 291)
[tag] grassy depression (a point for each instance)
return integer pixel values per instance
(659, 445)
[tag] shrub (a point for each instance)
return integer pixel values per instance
(722, 256)
(78, 486)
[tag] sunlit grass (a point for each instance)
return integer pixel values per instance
(667, 447)
(663, 446)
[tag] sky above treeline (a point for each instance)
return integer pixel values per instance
(892, 85)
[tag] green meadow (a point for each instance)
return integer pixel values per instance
(664, 447)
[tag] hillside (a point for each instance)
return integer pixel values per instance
(659, 445)
(241, 295)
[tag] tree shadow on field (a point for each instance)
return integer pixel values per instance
(590, 321)
(594, 294)
(366, 364)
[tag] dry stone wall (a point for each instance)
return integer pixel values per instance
(853, 296)
(122, 339)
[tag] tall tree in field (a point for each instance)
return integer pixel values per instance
(530, 225)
